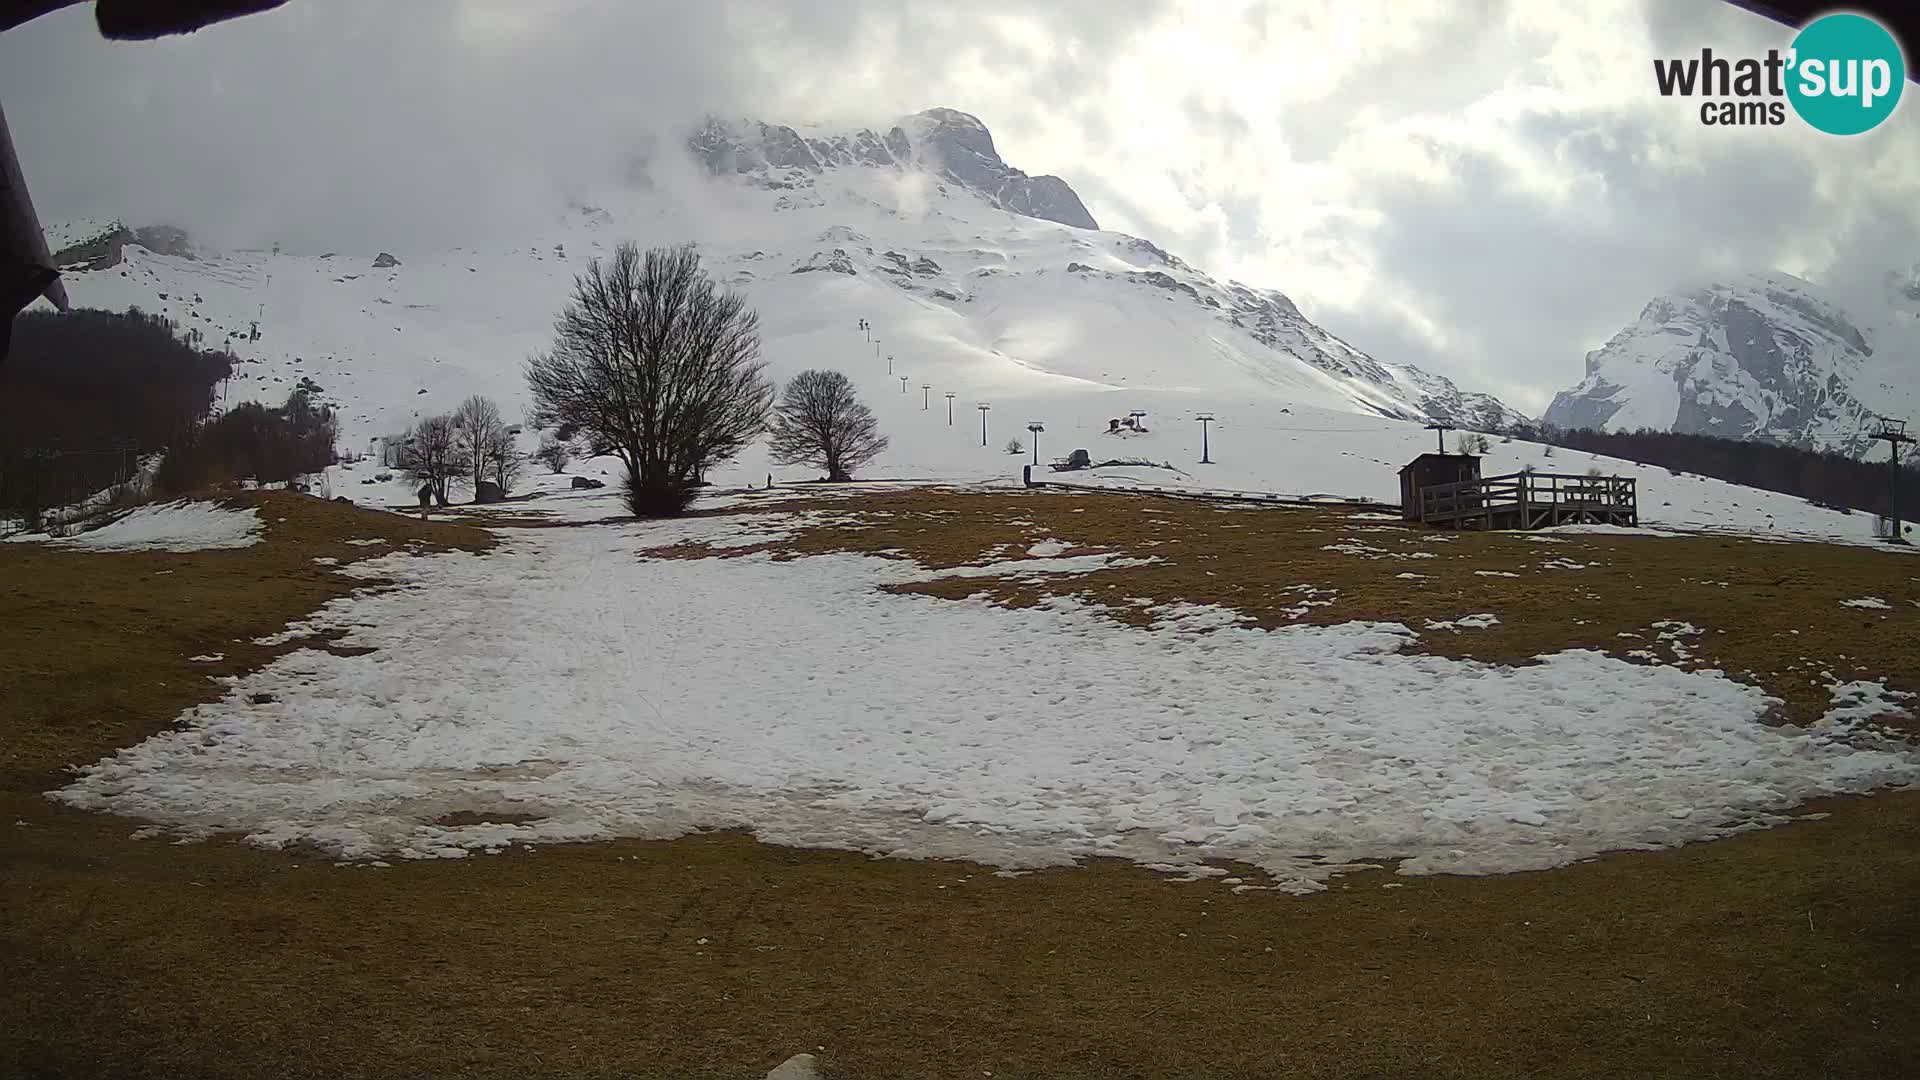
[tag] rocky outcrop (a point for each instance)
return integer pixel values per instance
(1763, 356)
(947, 143)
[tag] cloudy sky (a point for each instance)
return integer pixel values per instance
(1486, 189)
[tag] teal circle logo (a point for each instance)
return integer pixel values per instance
(1845, 74)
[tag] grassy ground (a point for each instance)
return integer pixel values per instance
(1787, 953)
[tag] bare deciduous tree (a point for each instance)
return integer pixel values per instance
(822, 423)
(554, 453)
(654, 363)
(504, 459)
(431, 453)
(477, 425)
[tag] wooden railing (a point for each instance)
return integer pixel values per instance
(1529, 500)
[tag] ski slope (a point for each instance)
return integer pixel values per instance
(1045, 323)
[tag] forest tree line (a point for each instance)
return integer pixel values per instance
(1819, 476)
(86, 395)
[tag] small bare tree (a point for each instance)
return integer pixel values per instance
(554, 453)
(479, 432)
(1015, 446)
(431, 453)
(822, 423)
(504, 460)
(654, 363)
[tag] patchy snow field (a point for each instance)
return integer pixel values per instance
(175, 526)
(572, 685)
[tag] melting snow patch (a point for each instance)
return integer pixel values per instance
(1196, 618)
(1606, 530)
(1465, 622)
(1349, 545)
(1856, 702)
(1047, 548)
(176, 526)
(1020, 568)
(596, 693)
(1870, 602)
(1494, 573)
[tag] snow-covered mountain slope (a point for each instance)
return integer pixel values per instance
(1766, 356)
(1063, 326)
(923, 231)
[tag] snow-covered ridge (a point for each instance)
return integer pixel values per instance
(972, 293)
(1761, 356)
(947, 143)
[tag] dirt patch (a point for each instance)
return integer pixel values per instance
(461, 818)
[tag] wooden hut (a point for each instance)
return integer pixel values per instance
(1429, 470)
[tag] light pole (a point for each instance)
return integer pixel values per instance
(983, 422)
(1036, 427)
(926, 396)
(1205, 419)
(903, 384)
(949, 408)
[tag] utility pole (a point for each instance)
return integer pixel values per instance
(1205, 418)
(926, 396)
(983, 422)
(1441, 429)
(1895, 433)
(949, 408)
(1036, 427)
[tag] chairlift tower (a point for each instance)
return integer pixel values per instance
(926, 396)
(1441, 428)
(950, 396)
(983, 407)
(1894, 432)
(1205, 418)
(1036, 427)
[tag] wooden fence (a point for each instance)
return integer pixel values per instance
(1531, 500)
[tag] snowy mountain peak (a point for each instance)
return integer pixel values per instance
(1760, 356)
(946, 143)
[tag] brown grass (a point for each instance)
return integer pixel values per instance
(1787, 953)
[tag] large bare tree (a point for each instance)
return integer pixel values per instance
(821, 422)
(431, 453)
(654, 363)
(483, 446)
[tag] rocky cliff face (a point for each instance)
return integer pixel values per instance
(1764, 356)
(947, 143)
